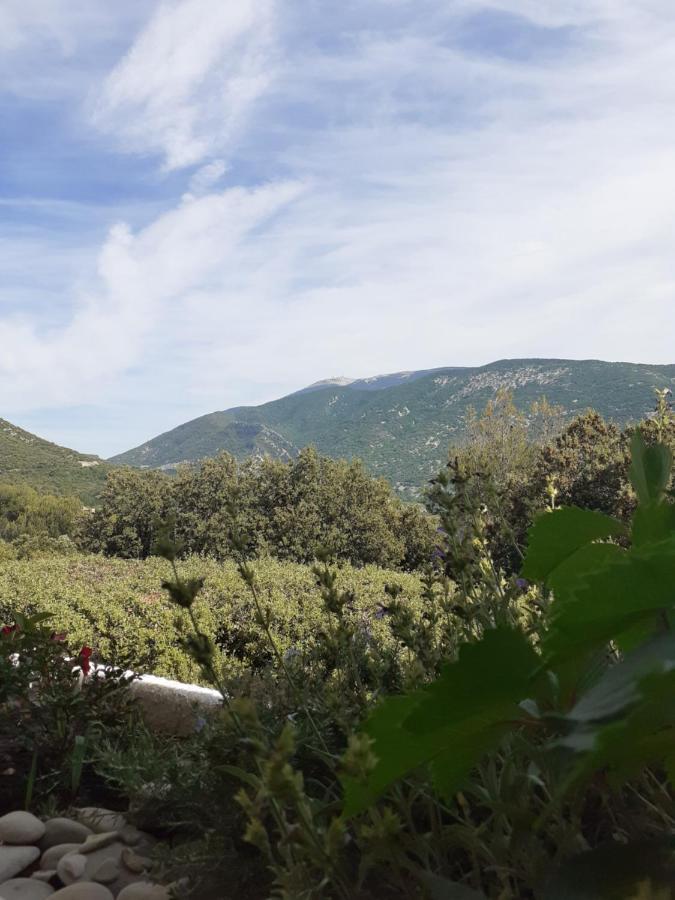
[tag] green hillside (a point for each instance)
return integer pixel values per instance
(402, 429)
(27, 459)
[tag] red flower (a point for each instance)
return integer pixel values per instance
(8, 629)
(85, 653)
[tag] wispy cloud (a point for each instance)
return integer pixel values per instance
(186, 85)
(377, 186)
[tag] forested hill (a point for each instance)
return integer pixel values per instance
(27, 459)
(401, 424)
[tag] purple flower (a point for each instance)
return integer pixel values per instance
(437, 553)
(522, 583)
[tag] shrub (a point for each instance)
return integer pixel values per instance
(288, 510)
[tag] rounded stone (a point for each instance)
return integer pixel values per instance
(84, 890)
(63, 831)
(101, 820)
(144, 890)
(13, 860)
(21, 827)
(71, 867)
(97, 841)
(106, 872)
(51, 857)
(44, 874)
(25, 889)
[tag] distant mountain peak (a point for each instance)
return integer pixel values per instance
(401, 424)
(337, 381)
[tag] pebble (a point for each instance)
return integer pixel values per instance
(98, 841)
(143, 890)
(44, 874)
(85, 890)
(134, 862)
(15, 859)
(51, 857)
(63, 831)
(25, 889)
(21, 828)
(71, 867)
(101, 820)
(107, 872)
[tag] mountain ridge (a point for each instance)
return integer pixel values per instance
(400, 424)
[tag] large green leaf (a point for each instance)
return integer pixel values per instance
(452, 723)
(632, 588)
(650, 469)
(653, 522)
(557, 535)
(619, 688)
(616, 872)
(645, 736)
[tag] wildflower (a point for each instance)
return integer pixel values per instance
(83, 658)
(8, 629)
(58, 636)
(437, 553)
(522, 583)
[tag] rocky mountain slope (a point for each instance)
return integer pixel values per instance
(401, 424)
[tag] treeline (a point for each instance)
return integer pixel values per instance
(289, 510)
(511, 465)
(503, 479)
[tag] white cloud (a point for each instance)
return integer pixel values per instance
(140, 279)
(186, 85)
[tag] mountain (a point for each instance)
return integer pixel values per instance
(27, 459)
(401, 424)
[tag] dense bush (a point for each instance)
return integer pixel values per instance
(32, 523)
(117, 607)
(289, 510)
(513, 465)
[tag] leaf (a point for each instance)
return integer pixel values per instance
(653, 522)
(452, 723)
(442, 889)
(557, 535)
(618, 689)
(650, 469)
(633, 587)
(643, 869)
(624, 747)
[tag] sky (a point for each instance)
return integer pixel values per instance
(210, 203)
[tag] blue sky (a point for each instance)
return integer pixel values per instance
(205, 203)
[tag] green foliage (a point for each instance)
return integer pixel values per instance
(117, 607)
(33, 523)
(50, 715)
(623, 716)
(294, 510)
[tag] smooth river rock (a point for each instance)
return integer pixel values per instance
(50, 858)
(85, 890)
(63, 831)
(71, 867)
(14, 860)
(21, 827)
(144, 890)
(25, 889)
